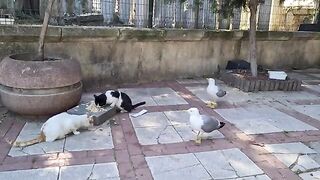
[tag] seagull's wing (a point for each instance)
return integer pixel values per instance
(221, 93)
(209, 124)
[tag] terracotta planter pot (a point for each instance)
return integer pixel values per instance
(39, 87)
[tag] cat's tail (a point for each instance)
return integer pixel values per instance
(138, 104)
(40, 138)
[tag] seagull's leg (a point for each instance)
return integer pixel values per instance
(198, 139)
(212, 104)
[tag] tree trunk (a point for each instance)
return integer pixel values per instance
(150, 18)
(196, 14)
(318, 16)
(253, 4)
(44, 30)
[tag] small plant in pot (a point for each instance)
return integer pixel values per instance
(253, 80)
(32, 84)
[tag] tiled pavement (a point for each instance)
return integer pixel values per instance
(269, 135)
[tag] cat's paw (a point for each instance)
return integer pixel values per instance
(76, 132)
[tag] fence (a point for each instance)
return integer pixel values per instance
(272, 15)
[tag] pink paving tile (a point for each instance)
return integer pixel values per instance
(119, 141)
(287, 174)
(99, 153)
(166, 108)
(17, 166)
(176, 148)
(79, 161)
(126, 170)
(50, 163)
(104, 159)
(307, 102)
(122, 156)
(131, 137)
(75, 154)
(138, 161)
(143, 174)
(134, 149)
(302, 117)
(5, 126)
(206, 145)
(14, 130)
(13, 160)
(153, 150)
(313, 133)
(44, 157)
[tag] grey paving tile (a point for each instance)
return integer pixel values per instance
(234, 95)
(230, 163)
(166, 127)
(178, 118)
(187, 134)
(298, 163)
(139, 94)
(106, 171)
(300, 76)
(169, 99)
(310, 110)
(257, 177)
(157, 135)
(180, 166)
(154, 96)
(288, 95)
(310, 175)
(32, 174)
(313, 87)
(166, 96)
(190, 81)
(30, 131)
(317, 75)
(296, 156)
(289, 148)
(153, 119)
(262, 119)
(100, 138)
(315, 145)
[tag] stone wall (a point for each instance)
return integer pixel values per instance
(112, 56)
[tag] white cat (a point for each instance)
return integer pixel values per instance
(57, 127)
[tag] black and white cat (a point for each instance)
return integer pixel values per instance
(116, 98)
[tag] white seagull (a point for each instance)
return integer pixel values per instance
(215, 92)
(203, 123)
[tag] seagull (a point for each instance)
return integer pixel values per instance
(215, 92)
(203, 123)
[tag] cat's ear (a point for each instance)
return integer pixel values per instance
(95, 96)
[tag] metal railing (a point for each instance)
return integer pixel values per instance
(272, 16)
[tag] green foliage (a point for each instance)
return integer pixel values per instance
(227, 6)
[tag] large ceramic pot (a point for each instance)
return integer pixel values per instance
(39, 88)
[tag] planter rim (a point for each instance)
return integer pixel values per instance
(33, 74)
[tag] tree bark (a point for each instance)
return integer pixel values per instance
(196, 14)
(44, 30)
(253, 4)
(150, 18)
(318, 16)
